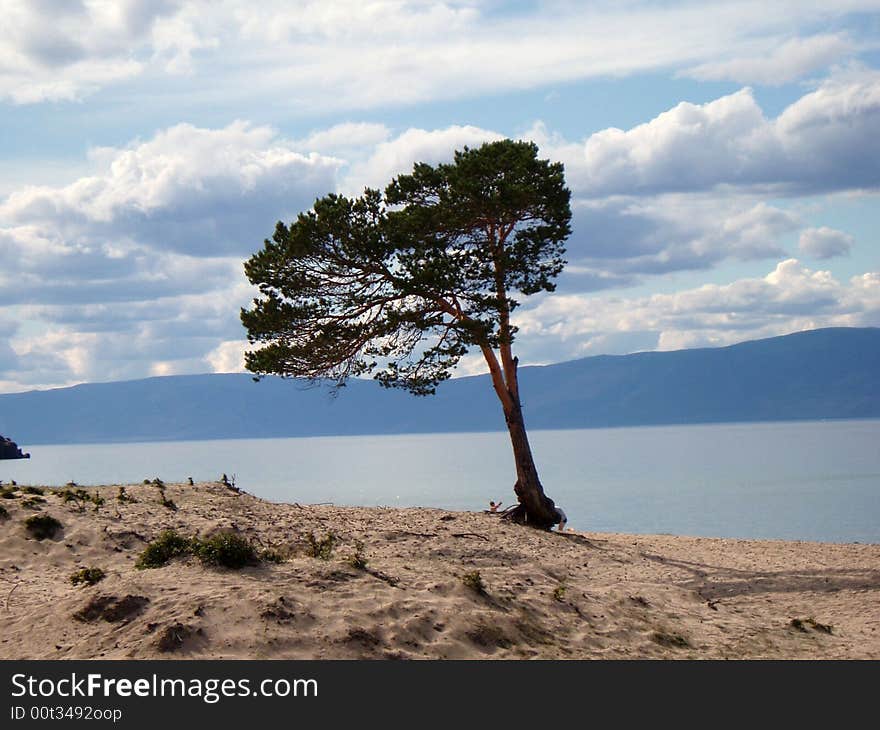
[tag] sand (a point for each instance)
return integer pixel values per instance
(546, 595)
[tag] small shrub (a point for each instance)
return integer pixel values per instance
(358, 560)
(802, 624)
(42, 526)
(670, 639)
(87, 576)
(226, 549)
(32, 502)
(559, 592)
(474, 581)
(32, 490)
(271, 556)
(8, 493)
(165, 547)
(97, 500)
(158, 482)
(124, 498)
(4, 513)
(78, 496)
(323, 548)
(146, 481)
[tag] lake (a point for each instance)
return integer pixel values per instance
(800, 481)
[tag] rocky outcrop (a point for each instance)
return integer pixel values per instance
(9, 450)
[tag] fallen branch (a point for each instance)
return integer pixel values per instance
(470, 534)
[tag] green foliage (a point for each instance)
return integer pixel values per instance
(87, 576)
(123, 497)
(8, 493)
(165, 547)
(80, 497)
(42, 526)
(32, 490)
(33, 502)
(559, 592)
(226, 549)
(323, 548)
(474, 581)
(670, 639)
(402, 283)
(358, 559)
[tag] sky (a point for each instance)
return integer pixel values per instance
(723, 158)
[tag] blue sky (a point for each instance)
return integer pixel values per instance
(723, 158)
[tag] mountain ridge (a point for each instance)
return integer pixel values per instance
(815, 374)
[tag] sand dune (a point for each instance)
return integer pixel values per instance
(547, 595)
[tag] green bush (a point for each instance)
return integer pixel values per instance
(226, 549)
(165, 547)
(42, 526)
(8, 493)
(359, 559)
(32, 490)
(32, 502)
(88, 576)
(474, 581)
(124, 498)
(323, 548)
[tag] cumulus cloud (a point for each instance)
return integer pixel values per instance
(396, 156)
(188, 189)
(824, 141)
(825, 243)
(790, 298)
(786, 62)
(625, 236)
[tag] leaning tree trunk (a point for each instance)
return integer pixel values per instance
(534, 508)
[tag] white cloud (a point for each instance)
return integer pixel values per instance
(786, 62)
(321, 56)
(825, 243)
(228, 356)
(188, 189)
(64, 49)
(624, 235)
(398, 155)
(824, 141)
(790, 298)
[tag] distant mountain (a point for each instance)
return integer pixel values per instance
(827, 373)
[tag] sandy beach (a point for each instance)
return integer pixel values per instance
(412, 584)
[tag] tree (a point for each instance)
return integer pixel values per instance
(403, 284)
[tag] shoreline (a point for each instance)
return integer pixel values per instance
(429, 583)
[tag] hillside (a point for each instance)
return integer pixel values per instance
(828, 373)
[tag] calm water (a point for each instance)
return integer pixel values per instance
(810, 481)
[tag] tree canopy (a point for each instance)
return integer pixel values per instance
(403, 284)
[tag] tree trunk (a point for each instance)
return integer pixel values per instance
(534, 508)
